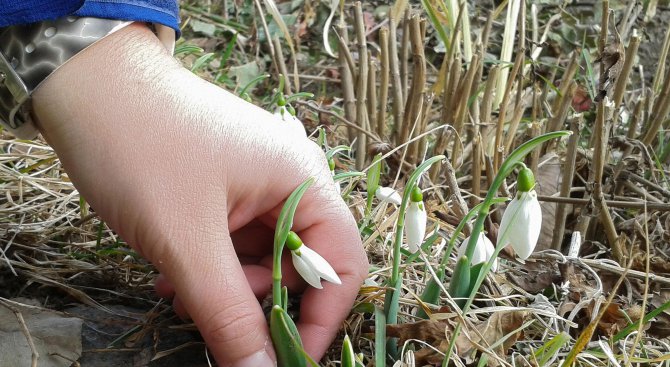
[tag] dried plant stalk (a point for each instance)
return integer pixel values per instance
(420, 150)
(562, 113)
(398, 104)
(535, 128)
(361, 85)
(404, 56)
(658, 114)
(476, 169)
(281, 64)
(566, 182)
(497, 154)
(372, 93)
(514, 123)
(620, 87)
(383, 81)
(346, 79)
(568, 77)
(660, 70)
(415, 99)
(461, 114)
(487, 97)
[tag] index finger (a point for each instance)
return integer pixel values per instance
(332, 232)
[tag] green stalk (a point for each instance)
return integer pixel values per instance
(284, 224)
(431, 292)
(395, 282)
(505, 169)
(391, 305)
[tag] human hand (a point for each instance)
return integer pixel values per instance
(193, 178)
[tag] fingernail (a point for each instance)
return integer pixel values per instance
(260, 359)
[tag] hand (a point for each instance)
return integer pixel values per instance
(193, 178)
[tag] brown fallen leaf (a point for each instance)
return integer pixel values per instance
(437, 333)
(535, 276)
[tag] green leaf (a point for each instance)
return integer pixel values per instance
(187, 49)
(340, 148)
(347, 357)
(546, 352)
(633, 326)
(202, 61)
(459, 287)
(344, 175)
(286, 339)
(373, 180)
(431, 293)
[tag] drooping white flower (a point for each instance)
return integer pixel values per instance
(309, 264)
(388, 195)
(483, 251)
(522, 221)
(415, 220)
(294, 123)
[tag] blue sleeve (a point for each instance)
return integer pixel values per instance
(30, 11)
(164, 12)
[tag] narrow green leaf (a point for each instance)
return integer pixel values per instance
(344, 175)
(286, 339)
(373, 180)
(347, 357)
(380, 337)
(547, 351)
(340, 148)
(633, 326)
(459, 287)
(202, 61)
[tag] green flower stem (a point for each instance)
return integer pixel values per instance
(296, 96)
(432, 291)
(391, 300)
(505, 169)
(284, 224)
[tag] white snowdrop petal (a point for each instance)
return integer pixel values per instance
(521, 224)
(483, 251)
(304, 269)
(319, 265)
(415, 225)
(388, 194)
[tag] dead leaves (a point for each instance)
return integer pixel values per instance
(611, 59)
(437, 333)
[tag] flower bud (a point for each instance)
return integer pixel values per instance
(387, 194)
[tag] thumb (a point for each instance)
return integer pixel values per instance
(212, 286)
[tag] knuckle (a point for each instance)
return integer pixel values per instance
(235, 328)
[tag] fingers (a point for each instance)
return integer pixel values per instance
(213, 289)
(336, 238)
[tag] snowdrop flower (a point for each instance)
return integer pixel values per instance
(287, 115)
(483, 251)
(522, 221)
(310, 265)
(388, 195)
(415, 220)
